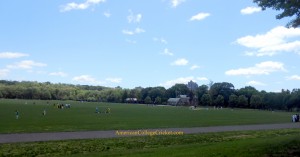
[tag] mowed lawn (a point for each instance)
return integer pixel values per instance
(82, 116)
(265, 143)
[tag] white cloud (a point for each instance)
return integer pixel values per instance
(202, 79)
(250, 10)
(127, 32)
(194, 67)
(40, 72)
(27, 64)
(80, 6)
(180, 62)
(4, 72)
(107, 14)
(255, 83)
(134, 18)
(167, 52)
(182, 80)
(294, 77)
(61, 74)
(161, 40)
(248, 53)
(10, 55)
(176, 3)
(199, 16)
(114, 80)
(273, 42)
(263, 68)
(87, 79)
(139, 30)
(131, 41)
(133, 32)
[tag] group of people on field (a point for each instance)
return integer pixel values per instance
(62, 106)
(107, 110)
(295, 118)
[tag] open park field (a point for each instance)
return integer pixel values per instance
(271, 143)
(81, 116)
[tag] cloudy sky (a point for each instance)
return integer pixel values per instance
(132, 43)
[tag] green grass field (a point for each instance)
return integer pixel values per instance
(82, 116)
(272, 143)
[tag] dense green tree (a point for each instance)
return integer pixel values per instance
(157, 92)
(233, 101)
(45, 94)
(148, 100)
(219, 101)
(176, 90)
(157, 100)
(294, 101)
(201, 90)
(245, 97)
(242, 101)
(247, 91)
(136, 93)
(124, 96)
(289, 8)
(81, 95)
(225, 89)
(145, 92)
(256, 101)
(206, 100)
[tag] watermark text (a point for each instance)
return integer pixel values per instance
(148, 133)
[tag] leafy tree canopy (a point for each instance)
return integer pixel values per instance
(289, 8)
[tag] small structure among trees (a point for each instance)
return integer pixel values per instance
(131, 100)
(182, 100)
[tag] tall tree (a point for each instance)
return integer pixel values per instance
(157, 100)
(242, 101)
(157, 92)
(148, 100)
(290, 8)
(225, 89)
(206, 100)
(124, 96)
(256, 101)
(233, 101)
(176, 90)
(201, 90)
(219, 101)
(247, 91)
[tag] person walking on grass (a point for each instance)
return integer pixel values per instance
(17, 114)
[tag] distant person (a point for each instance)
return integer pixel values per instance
(108, 110)
(97, 109)
(44, 112)
(17, 114)
(297, 117)
(294, 118)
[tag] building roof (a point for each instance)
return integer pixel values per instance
(173, 99)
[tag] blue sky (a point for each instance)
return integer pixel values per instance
(147, 43)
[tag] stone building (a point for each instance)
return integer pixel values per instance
(182, 100)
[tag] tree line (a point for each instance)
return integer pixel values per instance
(216, 94)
